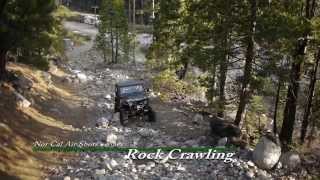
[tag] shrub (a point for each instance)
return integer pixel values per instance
(169, 86)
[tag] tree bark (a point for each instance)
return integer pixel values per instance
(134, 30)
(307, 112)
(291, 103)
(2, 6)
(184, 70)
(112, 44)
(276, 108)
(212, 82)
(250, 55)
(3, 62)
(129, 12)
(117, 47)
(223, 77)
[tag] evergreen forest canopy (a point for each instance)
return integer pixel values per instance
(275, 44)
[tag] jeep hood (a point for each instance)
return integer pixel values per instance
(134, 97)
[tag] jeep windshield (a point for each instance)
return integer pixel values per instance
(131, 89)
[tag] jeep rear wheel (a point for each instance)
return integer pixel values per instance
(151, 115)
(123, 117)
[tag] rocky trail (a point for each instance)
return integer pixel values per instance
(176, 126)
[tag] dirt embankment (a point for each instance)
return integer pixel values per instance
(49, 118)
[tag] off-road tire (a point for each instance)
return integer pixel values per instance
(123, 117)
(151, 115)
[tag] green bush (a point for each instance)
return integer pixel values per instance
(39, 62)
(169, 86)
(65, 13)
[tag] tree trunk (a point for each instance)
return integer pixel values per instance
(112, 45)
(142, 12)
(184, 70)
(133, 30)
(276, 108)
(117, 47)
(212, 83)
(129, 12)
(2, 5)
(223, 77)
(313, 80)
(3, 62)
(104, 55)
(250, 55)
(291, 103)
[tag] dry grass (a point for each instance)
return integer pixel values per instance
(40, 85)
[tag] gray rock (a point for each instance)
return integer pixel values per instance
(67, 178)
(279, 165)
(197, 118)
(112, 138)
(290, 160)
(111, 177)
(250, 174)
(99, 83)
(266, 154)
(103, 122)
(82, 77)
(113, 163)
(22, 102)
(250, 164)
(47, 77)
(100, 171)
(108, 97)
(22, 83)
(223, 141)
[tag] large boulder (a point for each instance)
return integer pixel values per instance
(266, 153)
(290, 160)
(223, 128)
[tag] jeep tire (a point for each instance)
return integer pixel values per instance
(123, 117)
(151, 115)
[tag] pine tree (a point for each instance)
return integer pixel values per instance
(29, 28)
(113, 31)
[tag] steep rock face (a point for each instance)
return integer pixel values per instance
(267, 153)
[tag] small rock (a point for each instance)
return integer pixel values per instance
(113, 163)
(99, 83)
(290, 160)
(223, 141)
(67, 178)
(279, 165)
(108, 97)
(191, 142)
(250, 174)
(22, 102)
(100, 171)
(82, 77)
(197, 118)
(181, 168)
(112, 138)
(250, 164)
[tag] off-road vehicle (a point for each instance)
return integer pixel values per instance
(131, 100)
